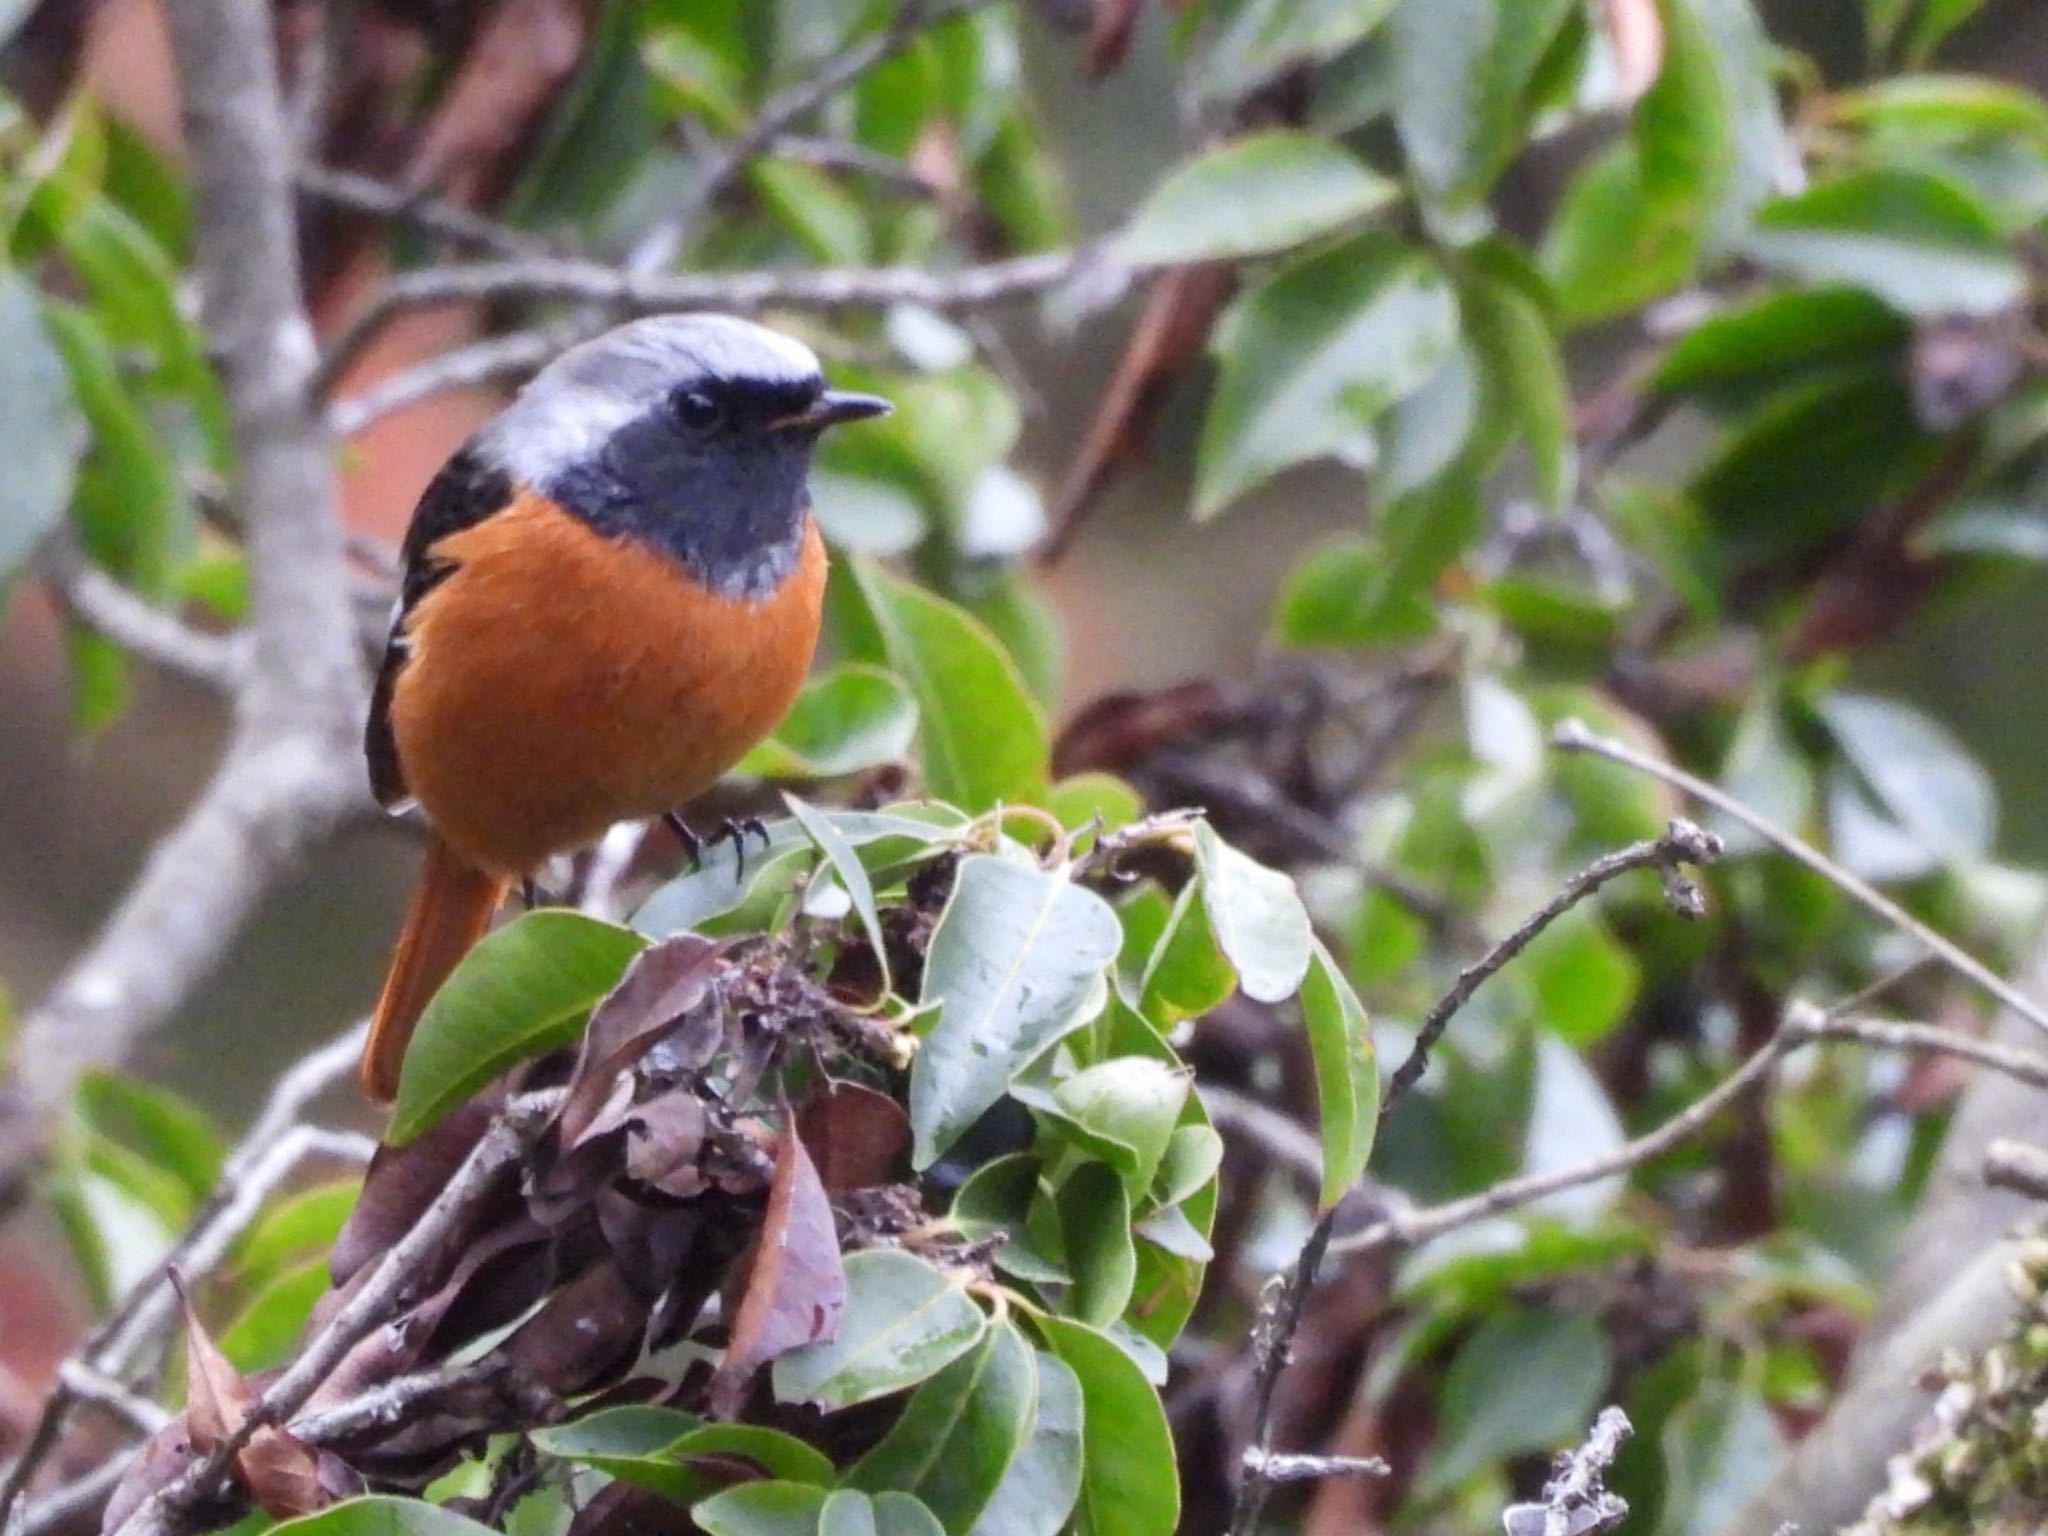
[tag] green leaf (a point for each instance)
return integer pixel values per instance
(847, 720)
(382, 1514)
(996, 1201)
(853, 877)
(1044, 1478)
(523, 990)
(42, 432)
(1462, 70)
(1265, 192)
(762, 1509)
(1257, 916)
(1524, 1381)
(1130, 1485)
(983, 736)
(1347, 1073)
(1127, 1109)
(1015, 959)
(1181, 973)
(1918, 772)
(295, 1228)
(634, 1443)
(958, 1434)
(626, 1432)
(132, 509)
(1916, 240)
(780, 1455)
(904, 1321)
(1704, 150)
(267, 1328)
(1309, 357)
(1095, 1229)
(1193, 1154)
(716, 888)
(1936, 20)
(1743, 351)
(1806, 466)
(1585, 982)
(1511, 332)
(167, 1129)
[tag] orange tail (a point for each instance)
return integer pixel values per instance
(450, 911)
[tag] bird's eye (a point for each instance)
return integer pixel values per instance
(696, 410)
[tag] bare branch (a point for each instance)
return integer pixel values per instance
(1434, 1221)
(1285, 1295)
(88, 1386)
(628, 293)
(1277, 1468)
(273, 1148)
(2028, 1067)
(1575, 1500)
(89, 596)
(782, 112)
(2019, 1166)
(1683, 843)
(503, 1145)
(1575, 736)
(500, 360)
(289, 778)
(366, 194)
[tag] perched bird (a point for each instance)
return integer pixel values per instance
(611, 592)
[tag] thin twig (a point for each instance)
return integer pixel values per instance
(91, 597)
(2028, 1067)
(627, 293)
(2019, 1166)
(1285, 1295)
(1575, 736)
(1275, 1467)
(275, 1145)
(780, 113)
(380, 1298)
(499, 360)
(1433, 1221)
(89, 1386)
(1576, 1500)
(366, 194)
(1682, 843)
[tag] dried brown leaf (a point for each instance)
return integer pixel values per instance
(795, 1285)
(281, 1474)
(662, 988)
(404, 1181)
(856, 1136)
(663, 1141)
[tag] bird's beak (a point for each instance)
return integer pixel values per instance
(830, 409)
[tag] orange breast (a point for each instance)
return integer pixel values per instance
(560, 681)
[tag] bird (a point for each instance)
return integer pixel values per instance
(609, 593)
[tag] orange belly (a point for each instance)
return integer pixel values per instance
(559, 681)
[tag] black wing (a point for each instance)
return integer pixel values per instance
(466, 491)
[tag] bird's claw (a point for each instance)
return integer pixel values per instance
(729, 831)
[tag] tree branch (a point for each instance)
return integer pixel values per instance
(89, 596)
(275, 1146)
(380, 1298)
(289, 778)
(627, 292)
(366, 194)
(1683, 843)
(782, 112)
(1285, 1295)
(1575, 736)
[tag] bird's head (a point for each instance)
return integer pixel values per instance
(692, 431)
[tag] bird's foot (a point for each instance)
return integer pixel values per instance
(729, 831)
